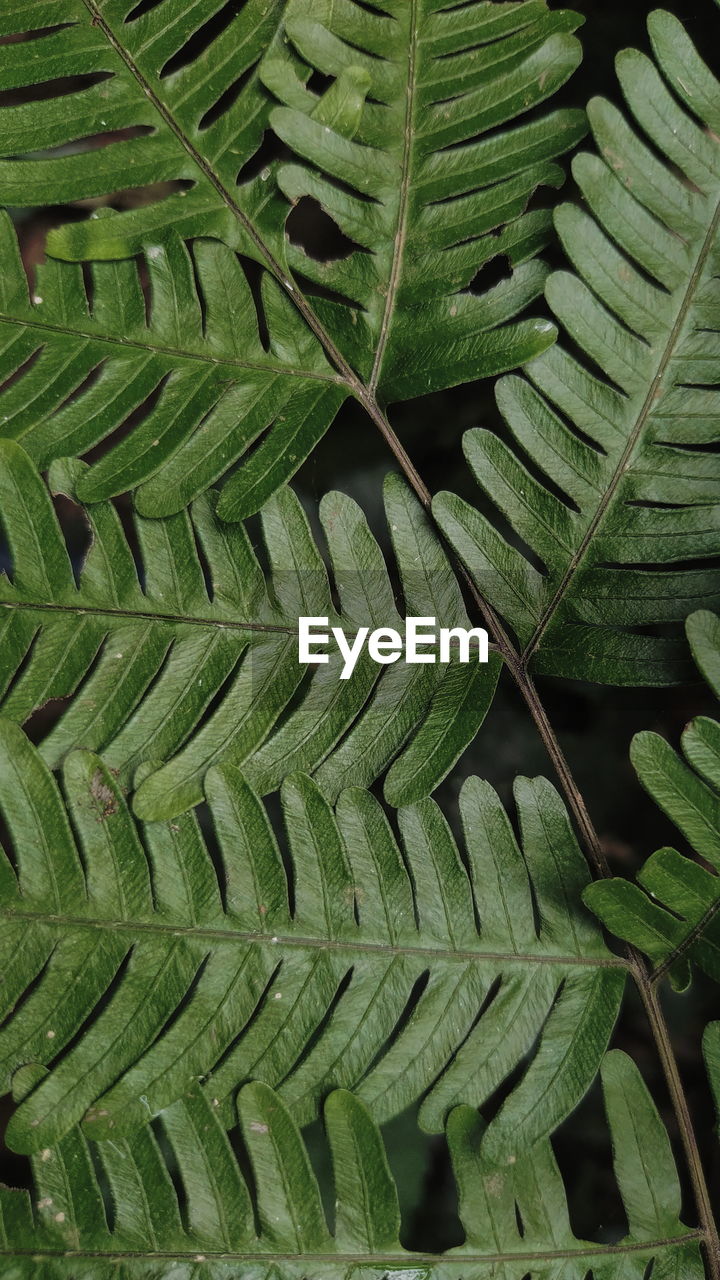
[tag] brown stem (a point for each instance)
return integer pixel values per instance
(706, 1217)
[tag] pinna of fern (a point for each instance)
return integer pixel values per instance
(610, 481)
(110, 1208)
(184, 653)
(138, 958)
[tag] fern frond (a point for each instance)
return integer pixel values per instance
(428, 194)
(447, 192)
(611, 483)
(193, 377)
(139, 958)
(163, 665)
(515, 1220)
(673, 913)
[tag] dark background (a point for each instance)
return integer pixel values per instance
(595, 725)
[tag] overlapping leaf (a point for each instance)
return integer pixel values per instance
(186, 653)
(194, 383)
(151, 956)
(121, 94)
(672, 913)
(515, 1221)
(426, 190)
(191, 385)
(611, 483)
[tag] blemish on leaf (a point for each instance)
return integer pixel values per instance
(103, 795)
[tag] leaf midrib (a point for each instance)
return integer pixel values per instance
(382, 1260)
(135, 344)
(232, 937)
(683, 948)
(174, 619)
(635, 435)
(403, 202)
(208, 172)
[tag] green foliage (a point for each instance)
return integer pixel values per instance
(148, 647)
(672, 913)
(445, 80)
(193, 378)
(515, 1221)
(610, 480)
(197, 379)
(181, 989)
(350, 964)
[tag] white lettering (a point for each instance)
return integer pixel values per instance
(385, 646)
(463, 638)
(414, 637)
(305, 639)
(350, 652)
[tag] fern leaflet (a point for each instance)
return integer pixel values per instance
(515, 1220)
(364, 967)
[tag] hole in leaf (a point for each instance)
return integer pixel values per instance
(416, 993)
(100, 1005)
(269, 149)
(16, 1170)
(78, 391)
(88, 283)
(497, 270)
(203, 37)
(254, 276)
(315, 290)
(27, 656)
(227, 99)
(75, 530)
(145, 6)
(123, 429)
(18, 373)
(39, 977)
(61, 87)
(321, 1026)
(375, 9)
(318, 82)
(262, 1005)
(429, 1211)
(170, 1161)
(311, 229)
(93, 1150)
(705, 446)
(702, 563)
(39, 33)
(98, 141)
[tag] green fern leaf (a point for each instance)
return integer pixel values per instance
(196, 377)
(445, 80)
(672, 914)
(423, 213)
(144, 649)
(146, 968)
(516, 1221)
(610, 484)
